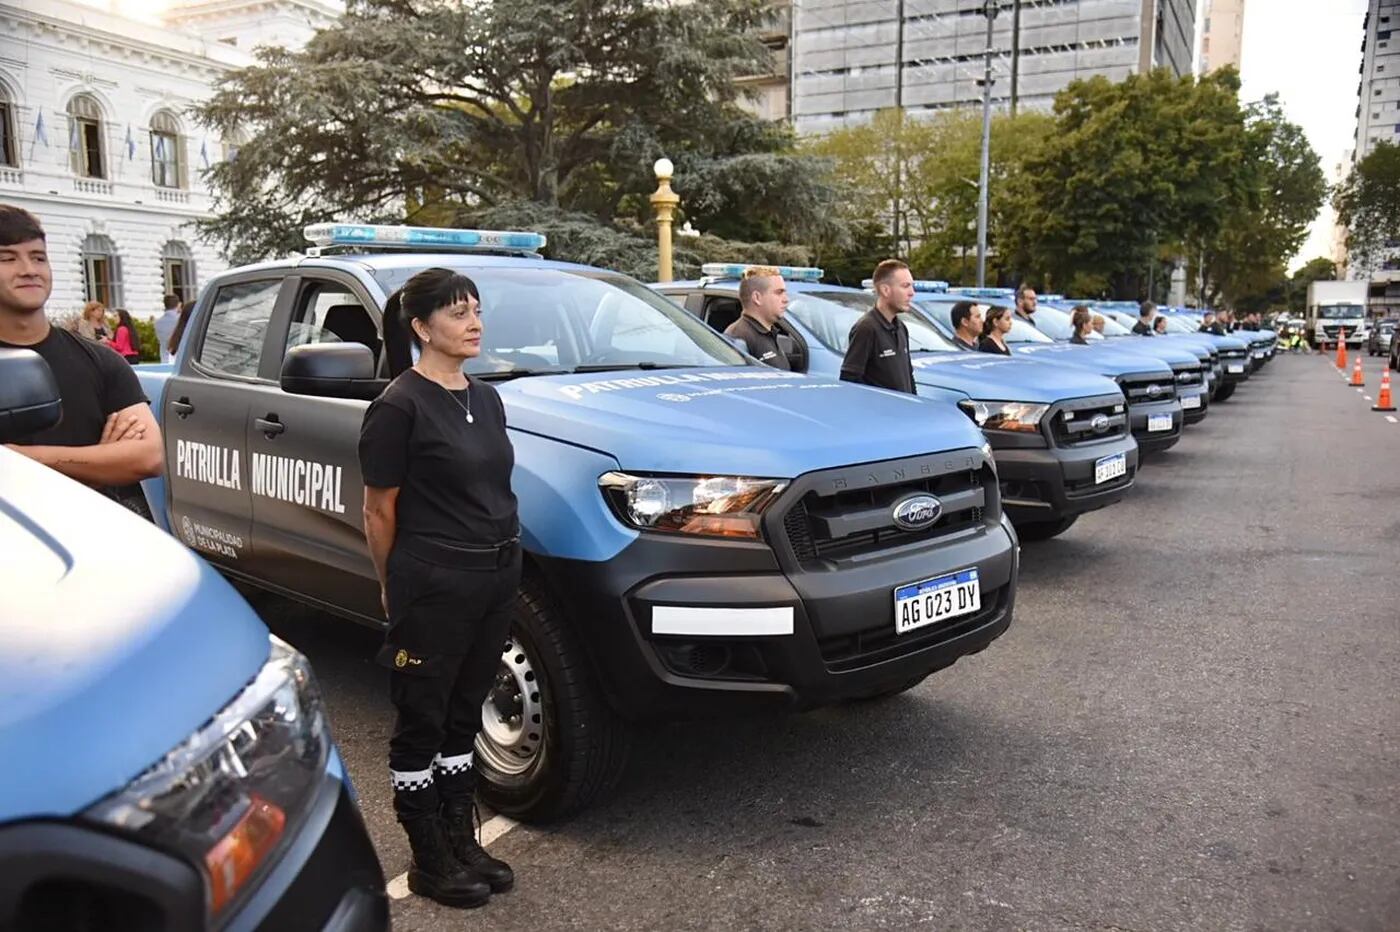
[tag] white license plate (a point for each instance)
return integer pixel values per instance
(1235, 367)
(1156, 422)
(1110, 467)
(1259, 354)
(924, 603)
(1190, 401)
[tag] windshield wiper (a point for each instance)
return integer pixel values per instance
(622, 366)
(516, 374)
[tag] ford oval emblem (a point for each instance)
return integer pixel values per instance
(1099, 423)
(917, 512)
(1154, 390)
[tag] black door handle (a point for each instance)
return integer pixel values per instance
(269, 425)
(182, 408)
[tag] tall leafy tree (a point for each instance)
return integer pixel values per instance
(1368, 205)
(432, 111)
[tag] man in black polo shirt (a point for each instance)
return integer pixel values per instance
(967, 325)
(763, 297)
(878, 353)
(107, 437)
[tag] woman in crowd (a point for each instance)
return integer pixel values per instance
(178, 333)
(126, 341)
(1083, 323)
(442, 527)
(995, 326)
(92, 323)
(1159, 325)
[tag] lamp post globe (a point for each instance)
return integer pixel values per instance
(664, 201)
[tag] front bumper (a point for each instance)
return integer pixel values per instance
(1158, 440)
(1046, 484)
(681, 627)
(1195, 403)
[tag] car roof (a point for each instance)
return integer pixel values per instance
(407, 259)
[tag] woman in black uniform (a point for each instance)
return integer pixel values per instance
(442, 528)
(995, 326)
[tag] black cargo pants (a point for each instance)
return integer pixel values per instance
(448, 621)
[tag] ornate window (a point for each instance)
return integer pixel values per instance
(167, 151)
(102, 275)
(9, 142)
(85, 143)
(177, 270)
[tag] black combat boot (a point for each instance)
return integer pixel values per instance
(459, 817)
(435, 873)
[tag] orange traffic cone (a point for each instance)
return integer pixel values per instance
(1342, 350)
(1357, 380)
(1383, 403)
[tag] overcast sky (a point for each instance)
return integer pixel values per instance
(1308, 51)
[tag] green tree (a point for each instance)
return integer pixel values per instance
(1132, 170)
(1368, 205)
(424, 110)
(1244, 262)
(1320, 269)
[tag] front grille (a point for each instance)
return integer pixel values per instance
(1235, 354)
(839, 525)
(1073, 425)
(878, 641)
(1188, 375)
(1141, 389)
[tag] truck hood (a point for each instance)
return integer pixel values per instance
(1007, 378)
(118, 643)
(1103, 358)
(747, 420)
(1163, 348)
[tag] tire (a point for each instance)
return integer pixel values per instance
(1044, 530)
(581, 748)
(1226, 391)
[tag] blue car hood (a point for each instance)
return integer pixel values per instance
(748, 420)
(1102, 358)
(1165, 349)
(117, 643)
(1008, 378)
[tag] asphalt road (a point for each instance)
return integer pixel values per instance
(1194, 723)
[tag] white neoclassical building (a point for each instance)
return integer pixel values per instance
(96, 137)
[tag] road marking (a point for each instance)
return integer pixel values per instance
(493, 829)
(1367, 397)
(1391, 419)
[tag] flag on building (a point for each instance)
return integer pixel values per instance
(41, 132)
(204, 152)
(130, 144)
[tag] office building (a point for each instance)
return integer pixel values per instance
(1222, 34)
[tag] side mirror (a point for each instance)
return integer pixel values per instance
(29, 398)
(331, 370)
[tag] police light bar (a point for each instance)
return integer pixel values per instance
(371, 234)
(1052, 297)
(983, 292)
(795, 273)
(920, 284)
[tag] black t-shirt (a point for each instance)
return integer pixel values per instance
(762, 344)
(965, 344)
(453, 477)
(878, 353)
(93, 382)
(1143, 330)
(988, 345)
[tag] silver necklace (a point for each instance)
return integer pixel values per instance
(455, 400)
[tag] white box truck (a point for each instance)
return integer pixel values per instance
(1333, 307)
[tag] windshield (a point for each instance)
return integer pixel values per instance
(556, 320)
(940, 313)
(1175, 325)
(1338, 311)
(829, 315)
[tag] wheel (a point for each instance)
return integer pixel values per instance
(1225, 391)
(549, 744)
(1044, 530)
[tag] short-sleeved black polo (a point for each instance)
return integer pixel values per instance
(762, 344)
(878, 354)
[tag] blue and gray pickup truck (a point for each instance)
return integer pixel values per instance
(1060, 435)
(167, 764)
(702, 535)
(1155, 415)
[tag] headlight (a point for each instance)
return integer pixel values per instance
(1005, 415)
(718, 506)
(228, 797)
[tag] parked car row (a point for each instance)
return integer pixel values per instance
(703, 536)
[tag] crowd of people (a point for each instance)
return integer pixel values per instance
(117, 331)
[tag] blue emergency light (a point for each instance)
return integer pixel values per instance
(983, 292)
(920, 284)
(441, 238)
(728, 270)
(1052, 297)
